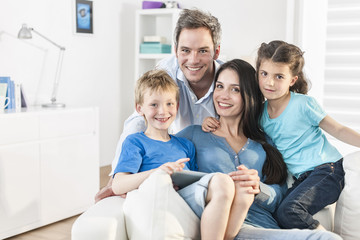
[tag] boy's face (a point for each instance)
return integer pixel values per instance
(159, 109)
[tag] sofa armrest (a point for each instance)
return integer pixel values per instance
(105, 220)
(326, 217)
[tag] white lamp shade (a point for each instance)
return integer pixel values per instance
(24, 32)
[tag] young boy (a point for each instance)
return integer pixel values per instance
(157, 100)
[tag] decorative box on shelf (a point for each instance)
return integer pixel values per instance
(152, 47)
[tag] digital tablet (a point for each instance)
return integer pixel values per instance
(186, 177)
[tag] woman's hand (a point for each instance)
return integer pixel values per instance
(247, 178)
(210, 124)
(171, 167)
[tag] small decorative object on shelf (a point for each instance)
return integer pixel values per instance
(155, 44)
(156, 4)
(157, 39)
(155, 47)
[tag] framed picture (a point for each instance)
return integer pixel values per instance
(84, 16)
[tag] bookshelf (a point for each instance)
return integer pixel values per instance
(153, 22)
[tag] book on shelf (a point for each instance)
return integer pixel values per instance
(7, 81)
(15, 93)
(24, 100)
(154, 39)
(3, 89)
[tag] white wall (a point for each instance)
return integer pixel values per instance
(98, 69)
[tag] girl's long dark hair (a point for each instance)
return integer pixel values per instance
(274, 168)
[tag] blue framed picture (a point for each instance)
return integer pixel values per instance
(84, 16)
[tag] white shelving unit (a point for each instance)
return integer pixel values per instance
(150, 22)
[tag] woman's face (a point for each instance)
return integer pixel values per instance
(227, 96)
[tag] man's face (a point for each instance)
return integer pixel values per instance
(195, 54)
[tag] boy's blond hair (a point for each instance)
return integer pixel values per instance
(154, 81)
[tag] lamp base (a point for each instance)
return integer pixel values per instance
(53, 105)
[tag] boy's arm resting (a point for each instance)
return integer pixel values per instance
(126, 182)
(339, 131)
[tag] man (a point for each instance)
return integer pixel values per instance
(197, 47)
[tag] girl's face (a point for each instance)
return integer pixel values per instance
(227, 96)
(275, 79)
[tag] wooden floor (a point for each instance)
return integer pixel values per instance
(60, 230)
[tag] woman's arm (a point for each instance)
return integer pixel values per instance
(270, 196)
(339, 131)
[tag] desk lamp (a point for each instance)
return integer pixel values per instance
(25, 33)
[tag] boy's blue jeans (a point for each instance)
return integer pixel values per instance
(310, 193)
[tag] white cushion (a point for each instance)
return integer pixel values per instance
(104, 220)
(156, 211)
(347, 214)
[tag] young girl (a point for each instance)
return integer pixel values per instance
(294, 122)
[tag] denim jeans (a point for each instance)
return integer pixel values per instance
(248, 232)
(310, 193)
(195, 194)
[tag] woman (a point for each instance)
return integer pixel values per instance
(238, 147)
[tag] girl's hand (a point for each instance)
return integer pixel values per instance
(210, 124)
(247, 178)
(171, 167)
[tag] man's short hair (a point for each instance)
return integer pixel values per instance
(193, 19)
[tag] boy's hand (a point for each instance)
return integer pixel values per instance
(247, 178)
(210, 124)
(171, 167)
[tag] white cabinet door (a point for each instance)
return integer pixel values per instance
(19, 187)
(15, 128)
(70, 176)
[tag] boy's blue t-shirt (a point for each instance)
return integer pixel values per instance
(297, 135)
(141, 153)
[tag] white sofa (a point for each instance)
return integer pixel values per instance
(105, 220)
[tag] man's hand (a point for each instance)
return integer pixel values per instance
(106, 192)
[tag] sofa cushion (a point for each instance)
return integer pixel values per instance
(347, 214)
(104, 220)
(156, 211)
